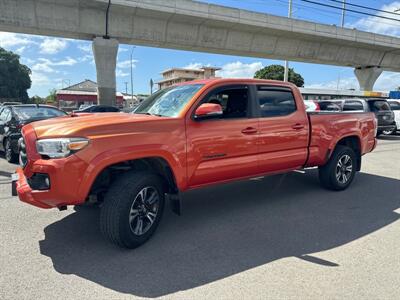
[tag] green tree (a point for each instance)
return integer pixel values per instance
(14, 77)
(51, 98)
(276, 72)
(36, 100)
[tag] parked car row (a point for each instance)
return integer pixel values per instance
(13, 117)
(385, 110)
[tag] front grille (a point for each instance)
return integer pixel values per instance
(23, 158)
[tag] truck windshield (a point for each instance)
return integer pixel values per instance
(168, 102)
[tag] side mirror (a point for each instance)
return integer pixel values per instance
(208, 110)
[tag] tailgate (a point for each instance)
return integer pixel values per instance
(385, 118)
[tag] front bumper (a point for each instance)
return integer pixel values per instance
(21, 188)
(65, 177)
(387, 127)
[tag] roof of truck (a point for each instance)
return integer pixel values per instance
(236, 80)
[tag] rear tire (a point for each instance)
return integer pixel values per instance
(132, 209)
(9, 153)
(338, 173)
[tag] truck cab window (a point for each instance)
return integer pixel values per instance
(275, 102)
(234, 102)
(353, 106)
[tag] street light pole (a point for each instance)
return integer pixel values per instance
(343, 11)
(286, 74)
(133, 48)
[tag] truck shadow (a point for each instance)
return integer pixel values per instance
(226, 230)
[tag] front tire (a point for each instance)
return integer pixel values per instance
(338, 173)
(9, 153)
(132, 209)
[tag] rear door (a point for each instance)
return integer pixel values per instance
(283, 129)
(223, 148)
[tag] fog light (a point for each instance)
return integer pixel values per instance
(39, 181)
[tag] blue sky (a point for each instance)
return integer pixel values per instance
(55, 62)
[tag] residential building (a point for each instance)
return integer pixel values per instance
(178, 75)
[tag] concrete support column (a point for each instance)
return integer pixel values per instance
(105, 56)
(367, 77)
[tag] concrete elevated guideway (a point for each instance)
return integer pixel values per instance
(196, 26)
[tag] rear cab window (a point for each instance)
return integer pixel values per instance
(378, 105)
(353, 105)
(275, 101)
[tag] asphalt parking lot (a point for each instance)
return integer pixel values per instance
(278, 237)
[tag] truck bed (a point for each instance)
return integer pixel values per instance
(329, 127)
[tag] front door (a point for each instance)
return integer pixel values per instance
(224, 148)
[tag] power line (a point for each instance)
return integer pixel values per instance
(367, 7)
(351, 10)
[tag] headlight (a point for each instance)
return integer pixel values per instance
(60, 147)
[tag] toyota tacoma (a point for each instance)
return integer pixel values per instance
(186, 136)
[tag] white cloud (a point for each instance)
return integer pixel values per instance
(68, 61)
(43, 67)
(127, 64)
(239, 70)
(120, 73)
(86, 57)
(85, 48)
(8, 39)
(27, 60)
(47, 66)
(386, 82)
(39, 79)
(193, 66)
(20, 50)
(379, 25)
(52, 45)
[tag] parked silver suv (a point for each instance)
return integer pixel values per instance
(380, 107)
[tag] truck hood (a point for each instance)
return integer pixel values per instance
(90, 124)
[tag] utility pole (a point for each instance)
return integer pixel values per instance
(343, 11)
(133, 48)
(286, 74)
(151, 86)
(126, 88)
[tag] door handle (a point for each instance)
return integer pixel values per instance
(249, 130)
(298, 126)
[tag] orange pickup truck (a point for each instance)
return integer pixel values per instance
(183, 137)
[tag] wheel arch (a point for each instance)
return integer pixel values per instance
(353, 142)
(105, 175)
